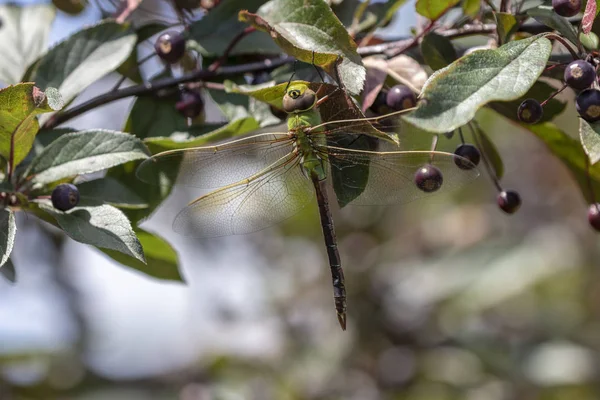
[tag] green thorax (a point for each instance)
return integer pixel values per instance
(306, 140)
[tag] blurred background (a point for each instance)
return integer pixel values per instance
(449, 298)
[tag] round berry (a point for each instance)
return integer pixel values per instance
(594, 216)
(587, 104)
(170, 46)
(400, 97)
(65, 196)
(429, 178)
(379, 105)
(467, 156)
(190, 104)
(579, 74)
(530, 111)
(566, 8)
(509, 201)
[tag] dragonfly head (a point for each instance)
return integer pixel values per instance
(299, 98)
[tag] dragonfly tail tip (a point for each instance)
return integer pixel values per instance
(342, 320)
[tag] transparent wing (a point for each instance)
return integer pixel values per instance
(269, 197)
(216, 166)
(389, 176)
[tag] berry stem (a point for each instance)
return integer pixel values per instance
(543, 103)
(492, 174)
(219, 61)
(564, 43)
(460, 134)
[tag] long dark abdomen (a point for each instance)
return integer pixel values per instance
(337, 274)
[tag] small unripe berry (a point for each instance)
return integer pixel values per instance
(566, 8)
(509, 201)
(65, 196)
(580, 74)
(587, 104)
(400, 97)
(530, 111)
(170, 46)
(468, 156)
(429, 178)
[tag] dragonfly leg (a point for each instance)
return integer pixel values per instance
(337, 274)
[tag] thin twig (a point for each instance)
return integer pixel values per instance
(230, 47)
(150, 88)
(565, 44)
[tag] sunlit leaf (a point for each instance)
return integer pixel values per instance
(310, 31)
(83, 58)
(433, 9)
(110, 191)
(19, 106)
(8, 231)
(452, 95)
(23, 37)
(84, 152)
(589, 134)
(102, 226)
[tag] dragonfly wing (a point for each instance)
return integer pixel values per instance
(390, 175)
(263, 200)
(216, 166)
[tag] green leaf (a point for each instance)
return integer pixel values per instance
(110, 191)
(19, 105)
(343, 171)
(471, 7)
(570, 152)
(589, 135)
(23, 37)
(433, 9)
(83, 58)
(453, 95)
(437, 50)
(338, 107)
(102, 226)
(215, 31)
(9, 272)
(232, 129)
(546, 15)
(8, 231)
(590, 41)
(539, 91)
(310, 31)
(84, 152)
(153, 193)
(491, 152)
(506, 25)
(161, 260)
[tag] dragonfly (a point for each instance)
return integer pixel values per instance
(266, 178)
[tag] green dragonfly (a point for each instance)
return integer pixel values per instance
(265, 178)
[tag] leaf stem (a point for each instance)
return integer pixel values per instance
(565, 44)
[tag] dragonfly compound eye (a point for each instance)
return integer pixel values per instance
(301, 102)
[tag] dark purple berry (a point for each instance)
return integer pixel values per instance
(429, 178)
(587, 104)
(468, 156)
(400, 97)
(566, 8)
(579, 74)
(530, 111)
(65, 196)
(190, 104)
(380, 106)
(170, 46)
(594, 216)
(509, 201)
